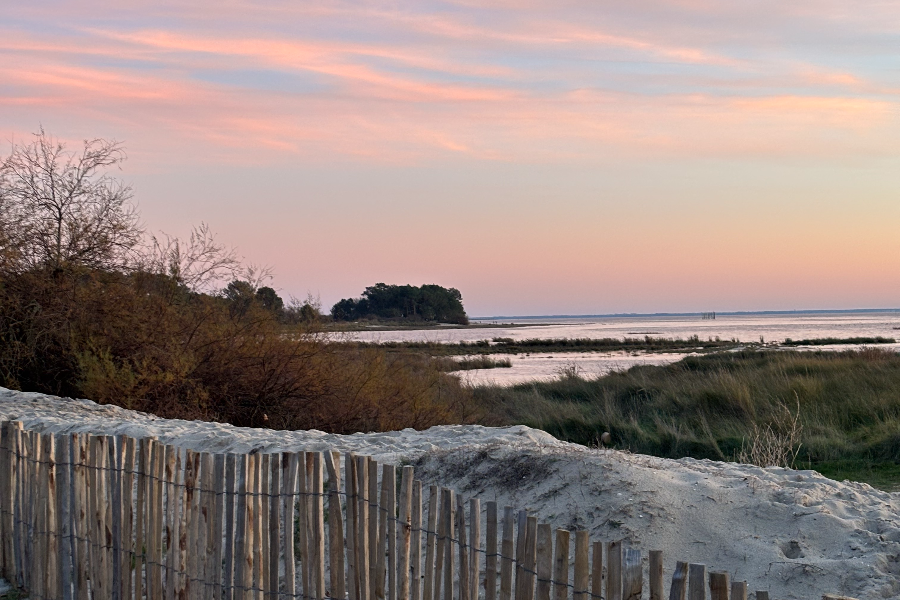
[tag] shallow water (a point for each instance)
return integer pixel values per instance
(542, 365)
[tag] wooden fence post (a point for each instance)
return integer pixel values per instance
(521, 535)
(318, 508)
(697, 582)
(261, 571)
(388, 487)
(614, 571)
(115, 456)
(220, 495)
(530, 558)
(507, 548)
(597, 571)
(544, 561)
(490, 556)
(50, 560)
(233, 467)
(274, 524)
(374, 531)
(582, 573)
(351, 482)
(656, 575)
(464, 586)
(429, 588)
(561, 565)
(403, 536)
(290, 464)
(173, 490)
(719, 586)
(449, 514)
(475, 543)
(335, 525)
(678, 591)
(362, 538)
(415, 557)
(259, 534)
(241, 573)
(632, 577)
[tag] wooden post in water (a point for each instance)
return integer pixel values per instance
(561, 565)
(678, 590)
(762, 595)
(697, 582)
(738, 590)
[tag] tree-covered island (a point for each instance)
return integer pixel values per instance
(430, 303)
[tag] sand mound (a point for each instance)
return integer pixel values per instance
(794, 533)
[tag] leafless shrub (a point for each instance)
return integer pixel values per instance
(777, 444)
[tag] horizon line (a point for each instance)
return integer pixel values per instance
(696, 313)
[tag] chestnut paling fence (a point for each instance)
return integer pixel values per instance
(109, 518)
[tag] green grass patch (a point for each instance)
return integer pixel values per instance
(834, 341)
(712, 406)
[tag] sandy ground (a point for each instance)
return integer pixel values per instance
(794, 533)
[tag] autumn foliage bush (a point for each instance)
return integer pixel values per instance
(142, 324)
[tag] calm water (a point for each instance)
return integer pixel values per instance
(745, 328)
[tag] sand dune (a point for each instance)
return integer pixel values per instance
(794, 533)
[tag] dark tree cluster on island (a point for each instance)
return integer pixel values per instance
(404, 302)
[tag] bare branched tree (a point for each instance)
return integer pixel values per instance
(200, 262)
(61, 208)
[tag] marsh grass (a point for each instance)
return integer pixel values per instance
(469, 363)
(846, 420)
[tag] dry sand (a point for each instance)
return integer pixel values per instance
(794, 533)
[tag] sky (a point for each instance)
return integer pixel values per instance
(543, 157)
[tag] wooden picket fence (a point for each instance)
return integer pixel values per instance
(111, 518)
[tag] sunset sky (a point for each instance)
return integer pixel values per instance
(558, 157)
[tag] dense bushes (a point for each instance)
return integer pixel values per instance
(88, 309)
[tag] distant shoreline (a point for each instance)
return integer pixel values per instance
(697, 314)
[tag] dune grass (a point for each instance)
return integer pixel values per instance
(710, 407)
